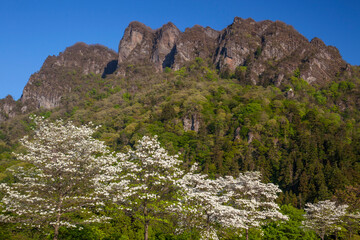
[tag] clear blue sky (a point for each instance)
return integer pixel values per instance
(32, 30)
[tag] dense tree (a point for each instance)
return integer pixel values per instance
(350, 196)
(145, 182)
(59, 181)
(235, 203)
(324, 217)
(308, 146)
(291, 229)
(255, 199)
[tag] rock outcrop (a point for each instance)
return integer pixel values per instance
(195, 42)
(46, 87)
(7, 108)
(166, 46)
(270, 51)
(191, 123)
(140, 44)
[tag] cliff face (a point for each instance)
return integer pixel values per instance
(46, 87)
(7, 108)
(195, 42)
(140, 44)
(166, 46)
(269, 50)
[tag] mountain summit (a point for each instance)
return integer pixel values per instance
(263, 53)
(269, 50)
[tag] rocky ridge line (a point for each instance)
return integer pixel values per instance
(268, 53)
(269, 50)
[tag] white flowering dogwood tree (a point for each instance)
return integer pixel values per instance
(324, 217)
(203, 206)
(234, 203)
(146, 182)
(255, 199)
(64, 163)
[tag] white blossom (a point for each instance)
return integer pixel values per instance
(144, 181)
(237, 203)
(323, 217)
(64, 164)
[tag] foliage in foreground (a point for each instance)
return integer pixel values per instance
(56, 186)
(71, 176)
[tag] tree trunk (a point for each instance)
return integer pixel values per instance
(146, 230)
(56, 227)
(247, 234)
(146, 224)
(57, 224)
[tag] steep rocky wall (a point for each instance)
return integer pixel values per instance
(269, 50)
(7, 108)
(46, 87)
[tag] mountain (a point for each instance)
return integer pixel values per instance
(254, 96)
(46, 87)
(260, 53)
(271, 51)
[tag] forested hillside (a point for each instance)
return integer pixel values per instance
(301, 135)
(303, 138)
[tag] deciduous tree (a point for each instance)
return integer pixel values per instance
(255, 199)
(234, 203)
(323, 217)
(205, 207)
(146, 182)
(59, 180)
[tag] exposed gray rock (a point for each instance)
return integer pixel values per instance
(290, 93)
(7, 108)
(46, 87)
(194, 42)
(191, 123)
(136, 44)
(271, 51)
(165, 39)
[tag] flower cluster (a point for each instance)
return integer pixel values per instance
(237, 203)
(68, 171)
(63, 165)
(324, 217)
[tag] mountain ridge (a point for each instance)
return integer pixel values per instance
(261, 53)
(303, 136)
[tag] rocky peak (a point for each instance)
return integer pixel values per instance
(136, 44)
(7, 108)
(195, 42)
(141, 45)
(87, 58)
(164, 42)
(317, 42)
(46, 87)
(169, 25)
(166, 46)
(270, 51)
